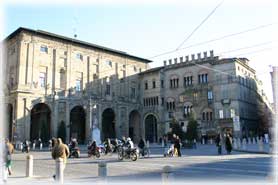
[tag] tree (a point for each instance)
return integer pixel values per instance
(191, 132)
(62, 131)
(176, 129)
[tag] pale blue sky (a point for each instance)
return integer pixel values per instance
(149, 29)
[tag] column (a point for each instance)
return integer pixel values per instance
(88, 121)
(67, 120)
(54, 117)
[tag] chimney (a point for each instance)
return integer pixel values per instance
(205, 54)
(170, 61)
(181, 59)
(176, 60)
(165, 62)
(211, 53)
(199, 56)
(187, 58)
(193, 57)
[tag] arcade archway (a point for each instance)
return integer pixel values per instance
(151, 128)
(134, 126)
(40, 122)
(108, 124)
(78, 123)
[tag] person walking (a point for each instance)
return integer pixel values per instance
(228, 143)
(141, 146)
(178, 146)
(218, 143)
(9, 150)
(60, 150)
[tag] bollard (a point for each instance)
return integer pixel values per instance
(261, 147)
(253, 140)
(235, 143)
(29, 166)
(148, 148)
(59, 171)
(244, 144)
(40, 146)
(210, 141)
(4, 172)
(34, 146)
(238, 143)
(203, 141)
(102, 170)
(167, 175)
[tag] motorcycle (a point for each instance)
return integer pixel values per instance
(74, 152)
(127, 153)
(94, 153)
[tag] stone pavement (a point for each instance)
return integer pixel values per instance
(198, 164)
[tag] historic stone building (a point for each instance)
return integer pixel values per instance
(59, 86)
(62, 86)
(224, 95)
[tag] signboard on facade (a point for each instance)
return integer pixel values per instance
(236, 123)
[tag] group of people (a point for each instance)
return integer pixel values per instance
(227, 141)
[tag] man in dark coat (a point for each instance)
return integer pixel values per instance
(228, 143)
(218, 143)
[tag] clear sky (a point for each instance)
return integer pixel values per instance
(148, 28)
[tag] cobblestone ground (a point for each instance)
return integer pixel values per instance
(201, 164)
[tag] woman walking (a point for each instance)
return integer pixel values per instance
(9, 149)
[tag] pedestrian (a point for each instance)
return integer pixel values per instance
(194, 144)
(60, 150)
(9, 150)
(228, 143)
(218, 143)
(141, 146)
(178, 146)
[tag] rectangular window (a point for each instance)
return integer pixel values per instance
(146, 85)
(133, 92)
(210, 116)
(109, 63)
(210, 96)
(221, 114)
(78, 85)
(63, 80)
(44, 49)
(233, 114)
(107, 90)
(134, 68)
(79, 56)
(154, 85)
(162, 101)
(162, 83)
(171, 115)
(42, 79)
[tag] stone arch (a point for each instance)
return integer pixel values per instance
(40, 122)
(134, 125)
(78, 123)
(108, 124)
(151, 128)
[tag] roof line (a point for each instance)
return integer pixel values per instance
(68, 39)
